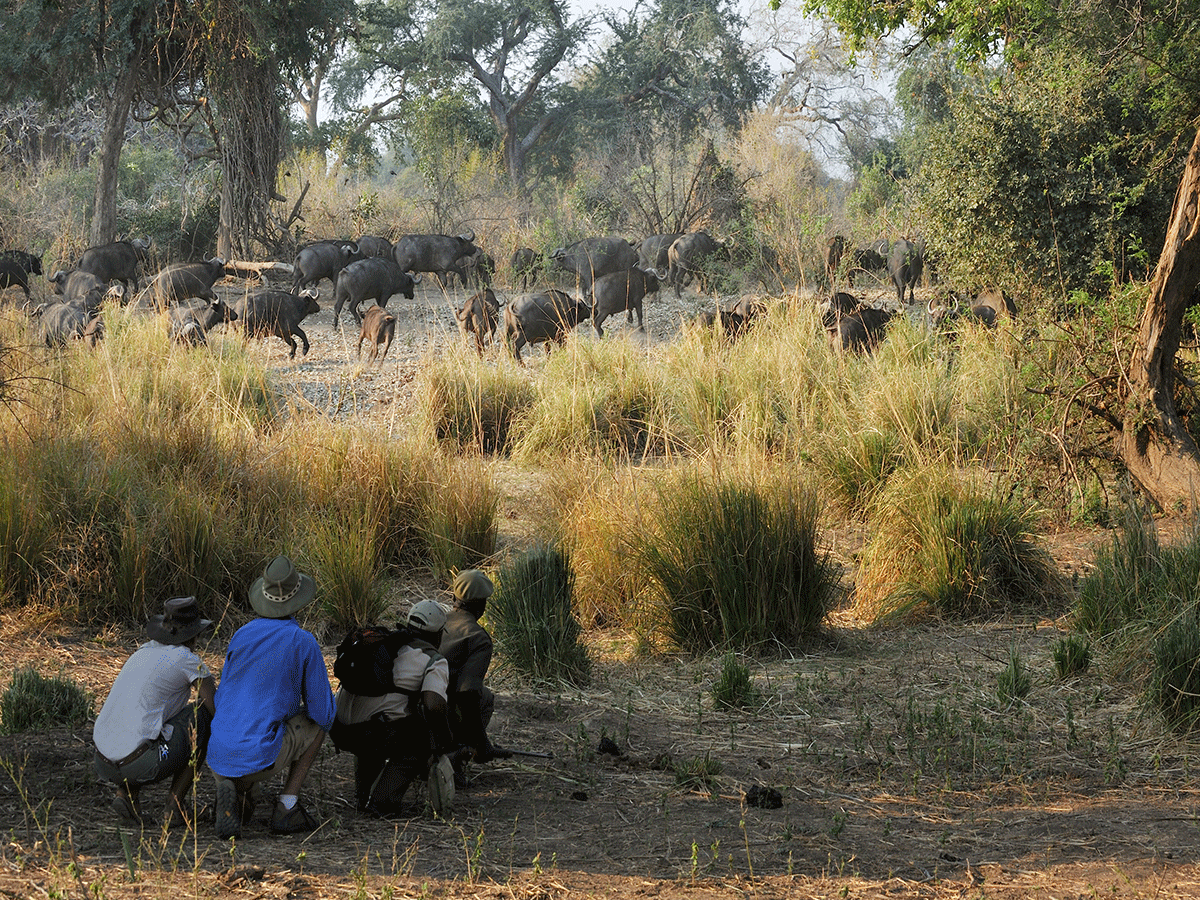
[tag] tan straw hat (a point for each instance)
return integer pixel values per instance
(179, 622)
(282, 590)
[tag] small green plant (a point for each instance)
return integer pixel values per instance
(1014, 681)
(697, 773)
(532, 618)
(734, 689)
(33, 702)
(1072, 655)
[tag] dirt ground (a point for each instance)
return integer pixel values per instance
(899, 771)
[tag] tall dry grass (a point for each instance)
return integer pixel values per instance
(141, 471)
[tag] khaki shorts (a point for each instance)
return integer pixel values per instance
(299, 733)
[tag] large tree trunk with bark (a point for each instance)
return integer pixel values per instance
(1159, 453)
(104, 210)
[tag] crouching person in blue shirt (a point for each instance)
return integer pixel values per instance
(274, 706)
(147, 731)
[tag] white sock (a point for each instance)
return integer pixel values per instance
(288, 800)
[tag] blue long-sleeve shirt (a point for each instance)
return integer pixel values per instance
(273, 668)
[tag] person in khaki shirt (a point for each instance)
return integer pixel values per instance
(468, 649)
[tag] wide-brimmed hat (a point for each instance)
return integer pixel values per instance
(472, 584)
(179, 622)
(281, 590)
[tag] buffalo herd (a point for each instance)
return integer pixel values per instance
(604, 276)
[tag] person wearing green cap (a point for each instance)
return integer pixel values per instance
(274, 706)
(467, 647)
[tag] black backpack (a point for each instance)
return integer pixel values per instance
(365, 657)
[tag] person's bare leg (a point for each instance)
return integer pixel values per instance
(180, 785)
(299, 769)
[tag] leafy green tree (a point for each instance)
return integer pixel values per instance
(673, 77)
(1149, 55)
(514, 50)
(214, 63)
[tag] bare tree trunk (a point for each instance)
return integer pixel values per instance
(104, 210)
(1158, 451)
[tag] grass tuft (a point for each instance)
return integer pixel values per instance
(34, 702)
(942, 548)
(734, 689)
(733, 560)
(532, 620)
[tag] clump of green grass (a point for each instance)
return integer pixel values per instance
(698, 773)
(858, 465)
(1137, 585)
(532, 618)
(33, 702)
(1072, 655)
(1014, 681)
(734, 689)
(733, 560)
(943, 548)
(471, 404)
(1175, 678)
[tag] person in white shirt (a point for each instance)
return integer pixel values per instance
(144, 732)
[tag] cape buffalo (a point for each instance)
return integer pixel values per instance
(595, 257)
(15, 268)
(268, 312)
(182, 281)
(541, 318)
(479, 315)
(621, 291)
(118, 261)
(904, 267)
(526, 264)
(323, 259)
(378, 327)
(443, 253)
(370, 279)
(688, 258)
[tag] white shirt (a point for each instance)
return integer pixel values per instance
(415, 669)
(154, 684)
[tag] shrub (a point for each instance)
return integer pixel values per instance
(734, 560)
(532, 620)
(34, 702)
(1072, 655)
(1137, 585)
(1175, 679)
(942, 548)
(734, 689)
(598, 398)
(596, 515)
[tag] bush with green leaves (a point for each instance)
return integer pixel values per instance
(532, 620)
(34, 702)
(733, 559)
(949, 548)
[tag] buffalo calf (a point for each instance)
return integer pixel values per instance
(378, 327)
